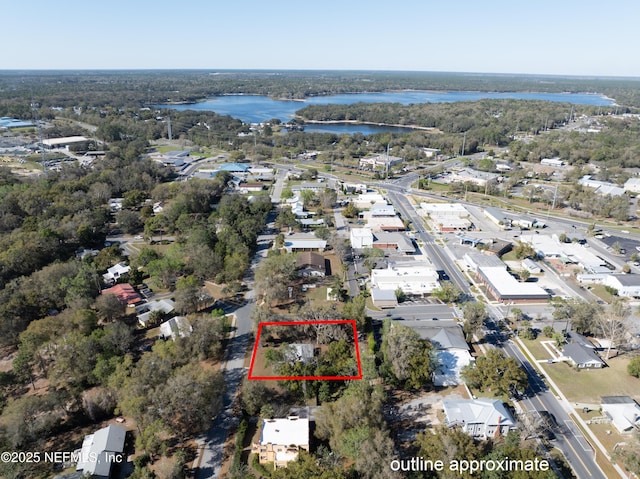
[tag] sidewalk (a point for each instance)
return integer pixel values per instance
(570, 408)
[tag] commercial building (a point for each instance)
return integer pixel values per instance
(8, 123)
(505, 288)
(365, 201)
(627, 285)
(413, 278)
(382, 211)
(385, 223)
(531, 266)
(475, 261)
(554, 162)
(64, 142)
(393, 242)
(361, 238)
(632, 185)
(550, 246)
(447, 217)
(432, 152)
(444, 209)
(478, 178)
(380, 161)
(304, 242)
(281, 440)
(601, 187)
(384, 298)
(497, 216)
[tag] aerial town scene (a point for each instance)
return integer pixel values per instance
(227, 261)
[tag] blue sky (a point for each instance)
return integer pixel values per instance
(564, 37)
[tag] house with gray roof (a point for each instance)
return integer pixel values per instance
(582, 357)
(101, 450)
(176, 327)
(481, 418)
(452, 350)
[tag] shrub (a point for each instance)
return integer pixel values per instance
(633, 368)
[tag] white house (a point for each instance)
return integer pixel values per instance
(481, 418)
(144, 311)
(581, 356)
(176, 327)
(114, 273)
(281, 440)
(623, 411)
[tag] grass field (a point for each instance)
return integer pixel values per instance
(587, 386)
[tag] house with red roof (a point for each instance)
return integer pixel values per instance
(125, 293)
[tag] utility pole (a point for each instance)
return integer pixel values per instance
(34, 106)
(464, 140)
(169, 128)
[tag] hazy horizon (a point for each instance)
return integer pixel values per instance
(569, 38)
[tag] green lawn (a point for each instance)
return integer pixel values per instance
(589, 385)
(600, 291)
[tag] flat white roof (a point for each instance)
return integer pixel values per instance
(64, 141)
(285, 432)
(412, 279)
(507, 286)
(454, 209)
(385, 222)
(361, 233)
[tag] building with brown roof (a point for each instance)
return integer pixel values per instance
(125, 293)
(311, 264)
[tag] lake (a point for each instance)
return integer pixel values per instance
(256, 108)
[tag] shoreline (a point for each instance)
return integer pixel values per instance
(371, 123)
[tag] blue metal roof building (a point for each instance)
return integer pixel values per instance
(6, 122)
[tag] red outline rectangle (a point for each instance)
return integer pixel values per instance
(316, 378)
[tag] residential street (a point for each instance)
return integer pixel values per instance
(211, 446)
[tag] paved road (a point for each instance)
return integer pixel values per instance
(436, 253)
(211, 446)
(568, 438)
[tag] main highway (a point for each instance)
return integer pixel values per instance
(568, 437)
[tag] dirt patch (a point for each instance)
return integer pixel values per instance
(6, 359)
